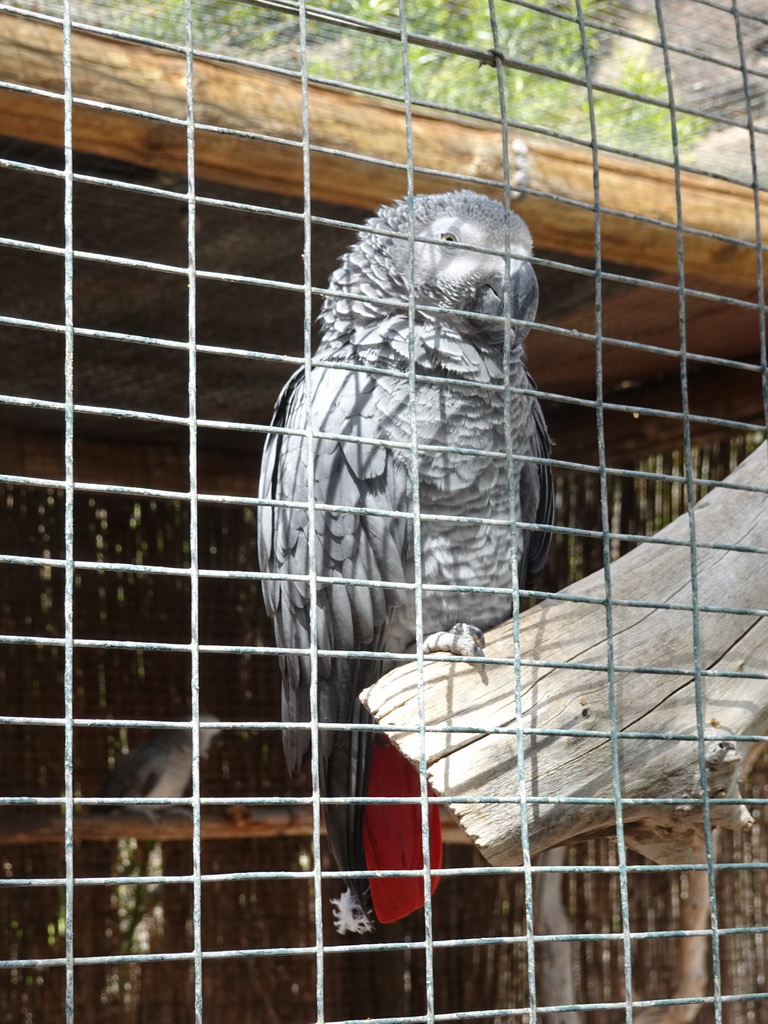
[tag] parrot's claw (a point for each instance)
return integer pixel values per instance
(463, 640)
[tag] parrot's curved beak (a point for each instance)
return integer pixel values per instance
(523, 299)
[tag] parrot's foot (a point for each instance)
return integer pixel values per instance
(463, 640)
(349, 916)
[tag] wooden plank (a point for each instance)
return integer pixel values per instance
(652, 651)
(649, 320)
(129, 464)
(236, 822)
(359, 129)
(716, 392)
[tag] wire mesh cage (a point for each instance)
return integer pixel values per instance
(180, 182)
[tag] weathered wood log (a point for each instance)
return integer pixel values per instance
(692, 974)
(554, 960)
(347, 132)
(564, 686)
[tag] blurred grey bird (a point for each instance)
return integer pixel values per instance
(446, 304)
(159, 767)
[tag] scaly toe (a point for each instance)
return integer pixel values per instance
(463, 641)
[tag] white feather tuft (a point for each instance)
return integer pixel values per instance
(349, 916)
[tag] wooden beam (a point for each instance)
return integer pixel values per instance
(235, 822)
(566, 712)
(359, 129)
(649, 320)
(692, 960)
(715, 392)
(129, 464)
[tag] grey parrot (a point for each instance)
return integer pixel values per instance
(463, 284)
(159, 767)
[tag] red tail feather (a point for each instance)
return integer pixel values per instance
(392, 835)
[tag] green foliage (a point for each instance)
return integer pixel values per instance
(542, 97)
(536, 36)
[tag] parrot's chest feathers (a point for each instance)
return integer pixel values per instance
(463, 477)
(462, 444)
(467, 501)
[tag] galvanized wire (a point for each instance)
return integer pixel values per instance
(192, 498)
(309, 450)
(512, 487)
(691, 498)
(415, 449)
(69, 525)
(194, 576)
(438, 45)
(621, 848)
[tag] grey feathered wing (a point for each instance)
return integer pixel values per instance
(537, 501)
(349, 545)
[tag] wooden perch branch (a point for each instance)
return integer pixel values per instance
(235, 822)
(347, 132)
(554, 960)
(466, 767)
(692, 974)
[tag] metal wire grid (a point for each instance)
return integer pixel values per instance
(71, 486)
(91, 20)
(91, 17)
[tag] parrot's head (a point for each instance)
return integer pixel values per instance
(469, 258)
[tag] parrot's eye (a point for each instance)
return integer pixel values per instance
(448, 236)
